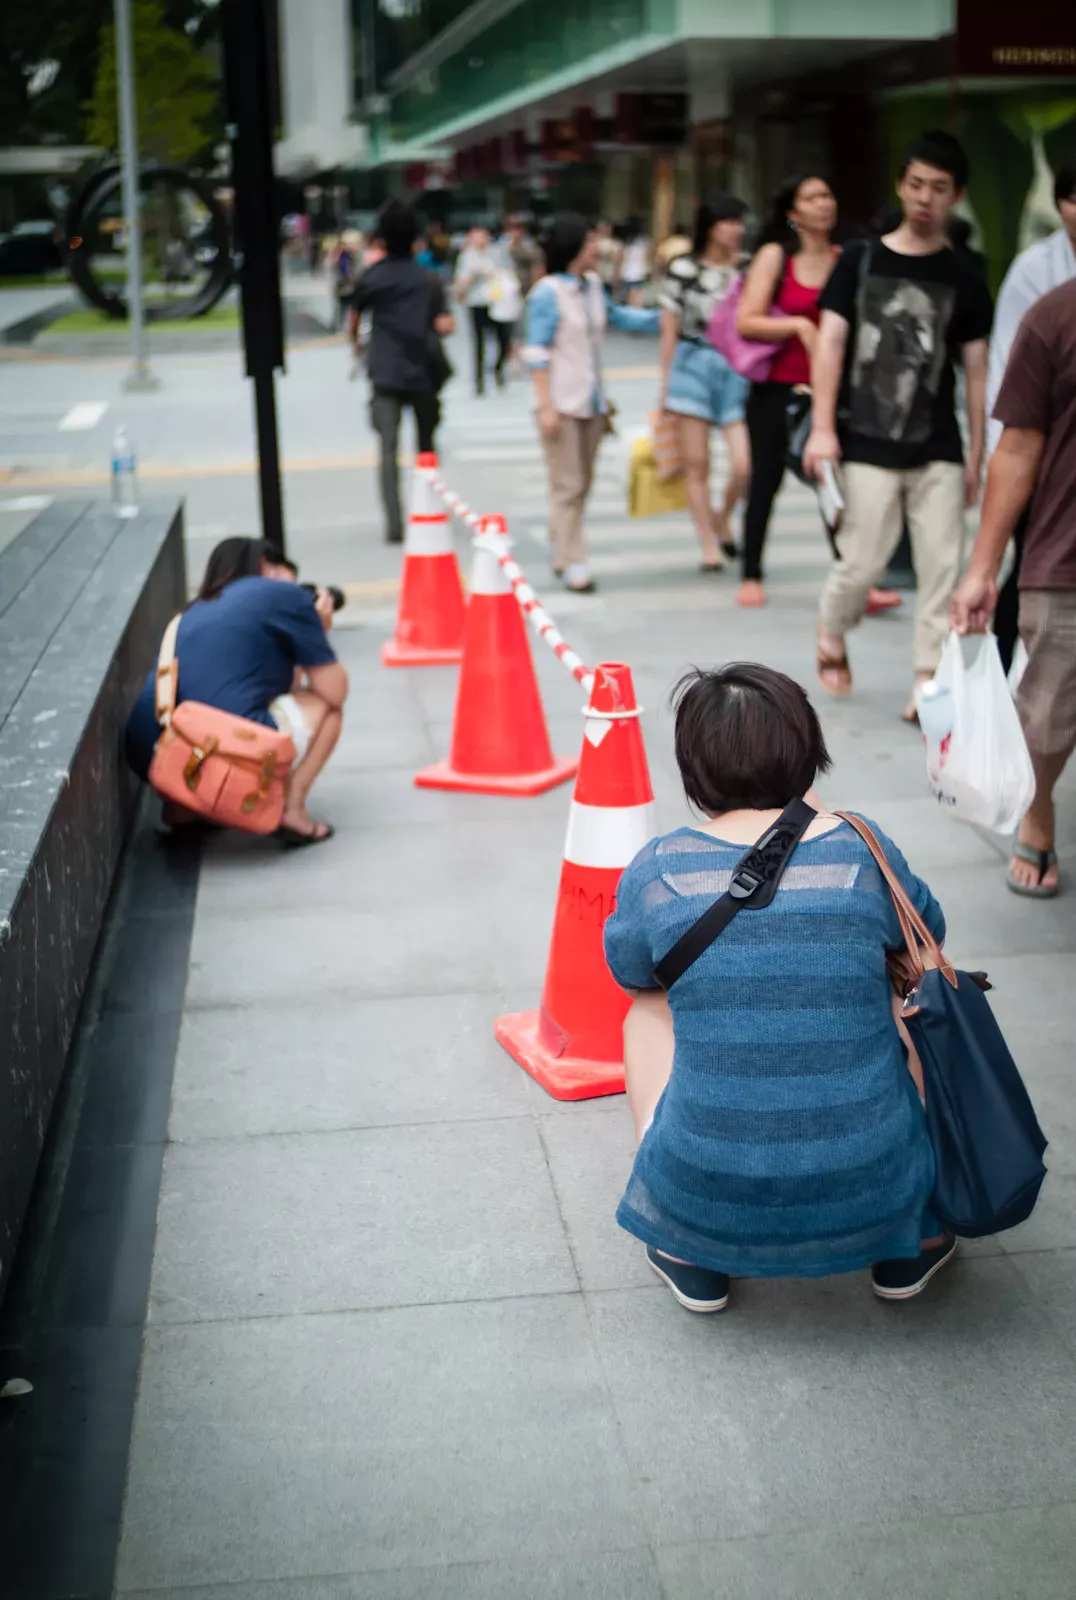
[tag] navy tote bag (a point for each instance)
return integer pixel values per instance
(988, 1145)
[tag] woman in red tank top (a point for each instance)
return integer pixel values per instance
(780, 303)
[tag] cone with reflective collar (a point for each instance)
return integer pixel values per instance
(573, 1043)
(430, 615)
(499, 740)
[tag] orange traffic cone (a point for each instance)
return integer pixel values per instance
(573, 1044)
(429, 620)
(499, 740)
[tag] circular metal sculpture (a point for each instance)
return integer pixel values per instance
(186, 243)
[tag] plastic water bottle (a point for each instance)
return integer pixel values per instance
(124, 486)
(935, 705)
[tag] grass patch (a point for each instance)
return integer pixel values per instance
(37, 280)
(89, 320)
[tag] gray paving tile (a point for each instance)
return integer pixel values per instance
(391, 870)
(614, 1575)
(1027, 1553)
(1050, 1275)
(486, 941)
(813, 1403)
(408, 1438)
(343, 1064)
(590, 1157)
(1052, 1224)
(386, 1216)
(986, 921)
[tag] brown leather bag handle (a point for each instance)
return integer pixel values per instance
(922, 947)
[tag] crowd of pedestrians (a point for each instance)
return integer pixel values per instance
(875, 353)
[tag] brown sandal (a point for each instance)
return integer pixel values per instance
(839, 665)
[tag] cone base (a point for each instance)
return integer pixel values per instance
(564, 1077)
(395, 654)
(443, 776)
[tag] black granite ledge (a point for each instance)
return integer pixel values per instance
(84, 599)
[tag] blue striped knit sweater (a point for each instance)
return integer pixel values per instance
(790, 1140)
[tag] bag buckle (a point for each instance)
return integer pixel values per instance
(192, 772)
(266, 774)
(744, 883)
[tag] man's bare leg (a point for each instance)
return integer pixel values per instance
(325, 723)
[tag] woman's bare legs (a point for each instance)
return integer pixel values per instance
(648, 1055)
(324, 722)
(738, 445)
(695, 445)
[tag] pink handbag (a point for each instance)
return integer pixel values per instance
(232, 771)
(751, 358)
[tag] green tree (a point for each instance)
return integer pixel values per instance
(176, 85)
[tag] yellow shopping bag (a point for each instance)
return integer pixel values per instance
(648, 496)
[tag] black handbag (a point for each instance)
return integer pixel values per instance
(988, 1145)
(438, 367)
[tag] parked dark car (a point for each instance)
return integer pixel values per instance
(30, 247)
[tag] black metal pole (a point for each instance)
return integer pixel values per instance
(247, 31)
(272, 504)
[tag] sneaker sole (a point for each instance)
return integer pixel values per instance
(915, 1288)
(701, 1307)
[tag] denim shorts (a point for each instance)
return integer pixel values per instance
(702, 384)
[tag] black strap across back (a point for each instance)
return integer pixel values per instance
(754, 884)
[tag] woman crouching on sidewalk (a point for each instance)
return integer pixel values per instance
(781, 1134)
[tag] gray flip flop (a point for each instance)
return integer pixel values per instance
(1044, 860)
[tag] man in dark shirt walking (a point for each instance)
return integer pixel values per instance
(897, 315)
(407, 309)
(1034, 466)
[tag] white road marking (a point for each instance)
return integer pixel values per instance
(28, 502)
(84, 414)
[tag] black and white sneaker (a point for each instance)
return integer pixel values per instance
(904, 1279)
(696, 1288)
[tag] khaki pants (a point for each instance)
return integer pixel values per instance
(876, 500)
(570, 457)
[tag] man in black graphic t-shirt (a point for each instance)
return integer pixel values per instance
(896, 317)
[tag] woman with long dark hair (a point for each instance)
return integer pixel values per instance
(697, 384)
(794, 259)
(567, 314)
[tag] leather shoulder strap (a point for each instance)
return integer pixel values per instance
(167, 685)
(754, 884)
(917, 936)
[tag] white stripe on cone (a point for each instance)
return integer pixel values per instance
(428, 539)
(608, 836)
(487, 574)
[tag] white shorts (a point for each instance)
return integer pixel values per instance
(287, 713)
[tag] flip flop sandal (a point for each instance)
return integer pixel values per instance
(292, 839)
(835, 664)
(711, 566)
(1044, 860)
(732, 549)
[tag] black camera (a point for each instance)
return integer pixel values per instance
(338, 596)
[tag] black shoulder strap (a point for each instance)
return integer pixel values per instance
(754, 884)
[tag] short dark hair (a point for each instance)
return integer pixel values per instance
(565, 237)
(935, 148)
(1065, 182)
(747, 738)
(236, 558)
(720, 208)
(397, 228)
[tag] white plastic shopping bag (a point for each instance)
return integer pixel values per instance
(977, 758)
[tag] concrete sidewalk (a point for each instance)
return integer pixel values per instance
(397, 1347)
